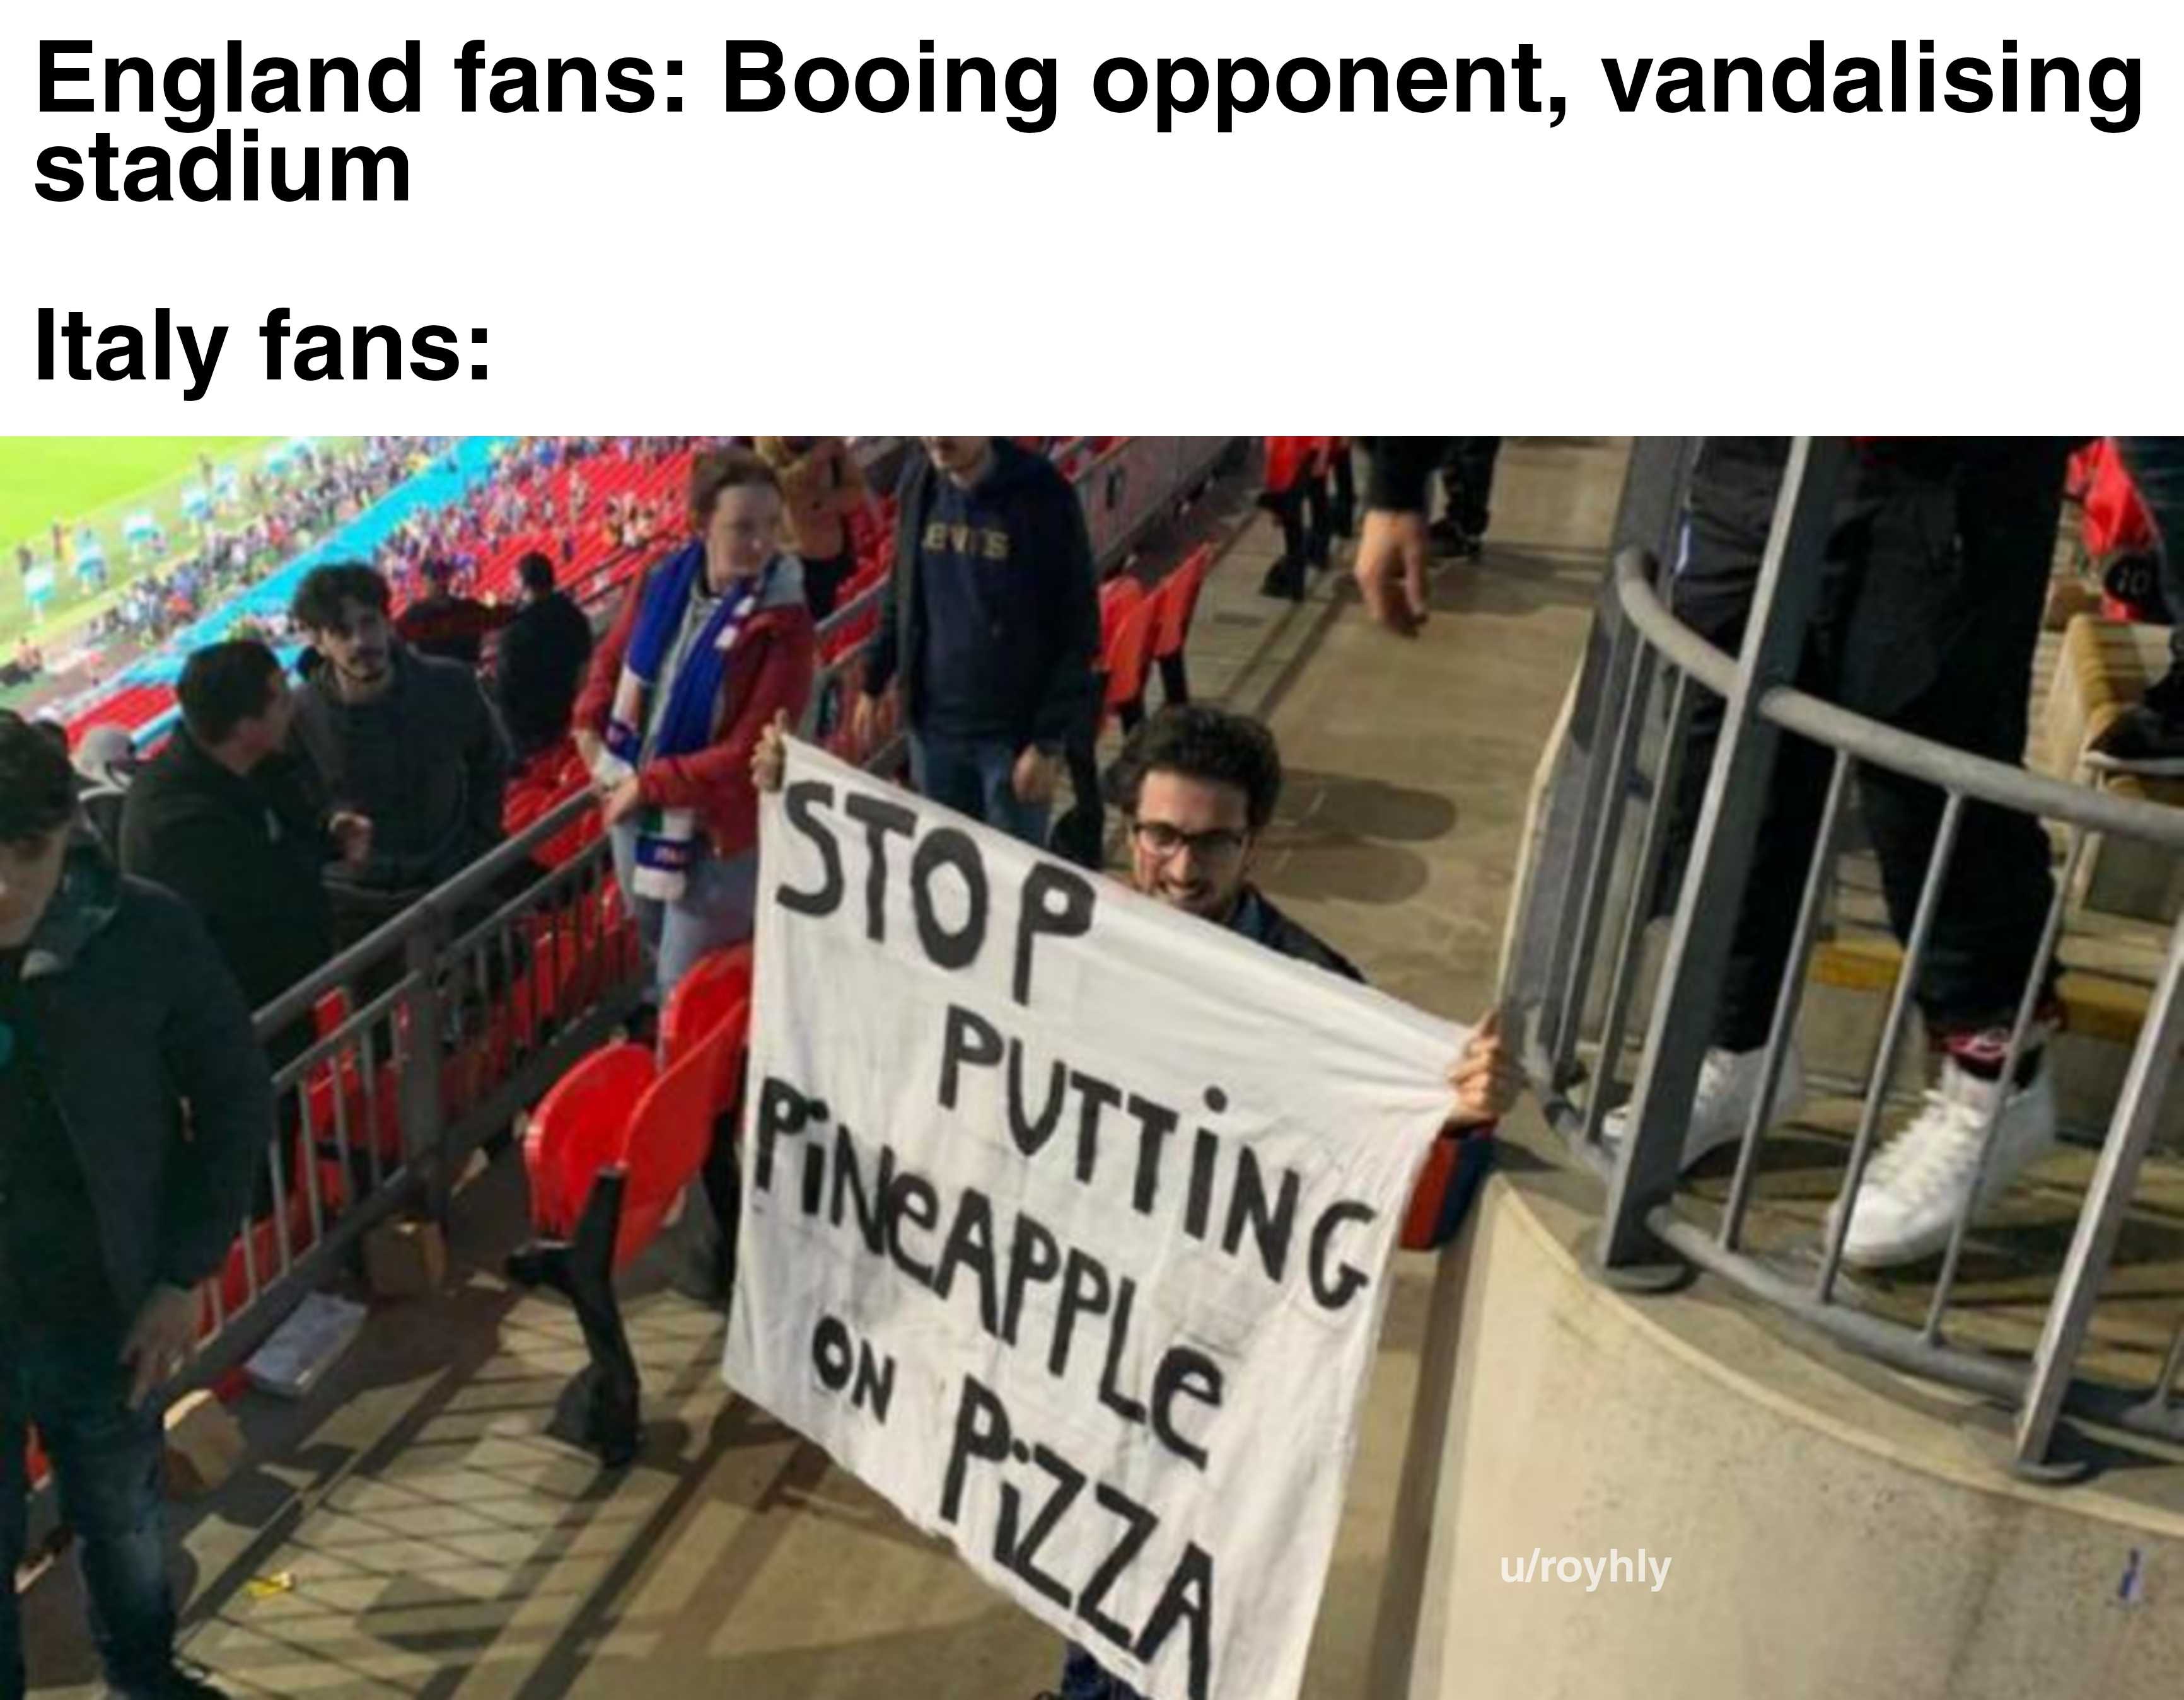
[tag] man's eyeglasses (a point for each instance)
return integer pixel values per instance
(1214, 844)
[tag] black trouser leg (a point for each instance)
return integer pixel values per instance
(723, 1180)
(1175, 681)
(1467, 477)
(1987, 927)
(1313, 497)
(1713, 596)
(1342, 515)
(1286, 577)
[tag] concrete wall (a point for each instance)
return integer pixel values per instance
(1832, 1532)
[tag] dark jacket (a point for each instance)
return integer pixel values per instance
(1044, 639)
(1260, 921)
(540, 668)
(426, 761)
(1919, 528)
(137, 1017)
(246, 853)
(1398, 469)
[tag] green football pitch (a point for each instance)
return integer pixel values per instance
(97, 481)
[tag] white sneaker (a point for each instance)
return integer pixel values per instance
(1914, 1187)
(1729, 1082)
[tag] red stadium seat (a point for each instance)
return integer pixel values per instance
(1128, 657)
(1178, 601)
(715, 993)
(667, 1140)
(580, 1128)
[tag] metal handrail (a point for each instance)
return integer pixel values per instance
(442, 901)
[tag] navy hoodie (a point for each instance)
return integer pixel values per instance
(991, 617)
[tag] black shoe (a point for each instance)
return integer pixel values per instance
(1445, 537)
(2149, 738)
(183, 1679)
(1286, 577)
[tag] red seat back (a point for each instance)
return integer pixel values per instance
(668, 1139)
(1118, 599)
(715, 993)
(581, 1127)
(1130, 656)
(1178, 601)
(2116, 520)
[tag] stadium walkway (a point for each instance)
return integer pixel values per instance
(409, 1531)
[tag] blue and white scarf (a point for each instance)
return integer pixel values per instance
(668, 840)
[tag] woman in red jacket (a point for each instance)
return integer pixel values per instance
(712, 643)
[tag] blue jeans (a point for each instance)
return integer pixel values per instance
(105, 1457)
(1083, 1679)
(976, 776)
(717, 908)
(2156, 465)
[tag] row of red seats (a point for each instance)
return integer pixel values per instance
(556, 979)
(1139, 627)
(649, 1113)
(600, 562)
(132, 706)
(599, 566)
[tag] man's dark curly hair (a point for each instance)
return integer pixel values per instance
(37, 786)
(1202, 743)
(319, 599)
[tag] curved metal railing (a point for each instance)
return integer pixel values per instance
(1649, 1232)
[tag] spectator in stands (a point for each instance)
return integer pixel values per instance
(406, 741)
(223, 818)
(105, 767)
(822, 486)
(2149, 737)
(1297, 494)
(1198, 787)
(541, 662)
(991, 621)
(447, 625)
(1934, 576)
(708, 648)
(134, 1109)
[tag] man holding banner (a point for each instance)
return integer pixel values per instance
(1066, 1218)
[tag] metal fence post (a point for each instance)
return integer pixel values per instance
(1681, 1024)
(1542, 936)
(2108, 1197)
(424, 1056)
